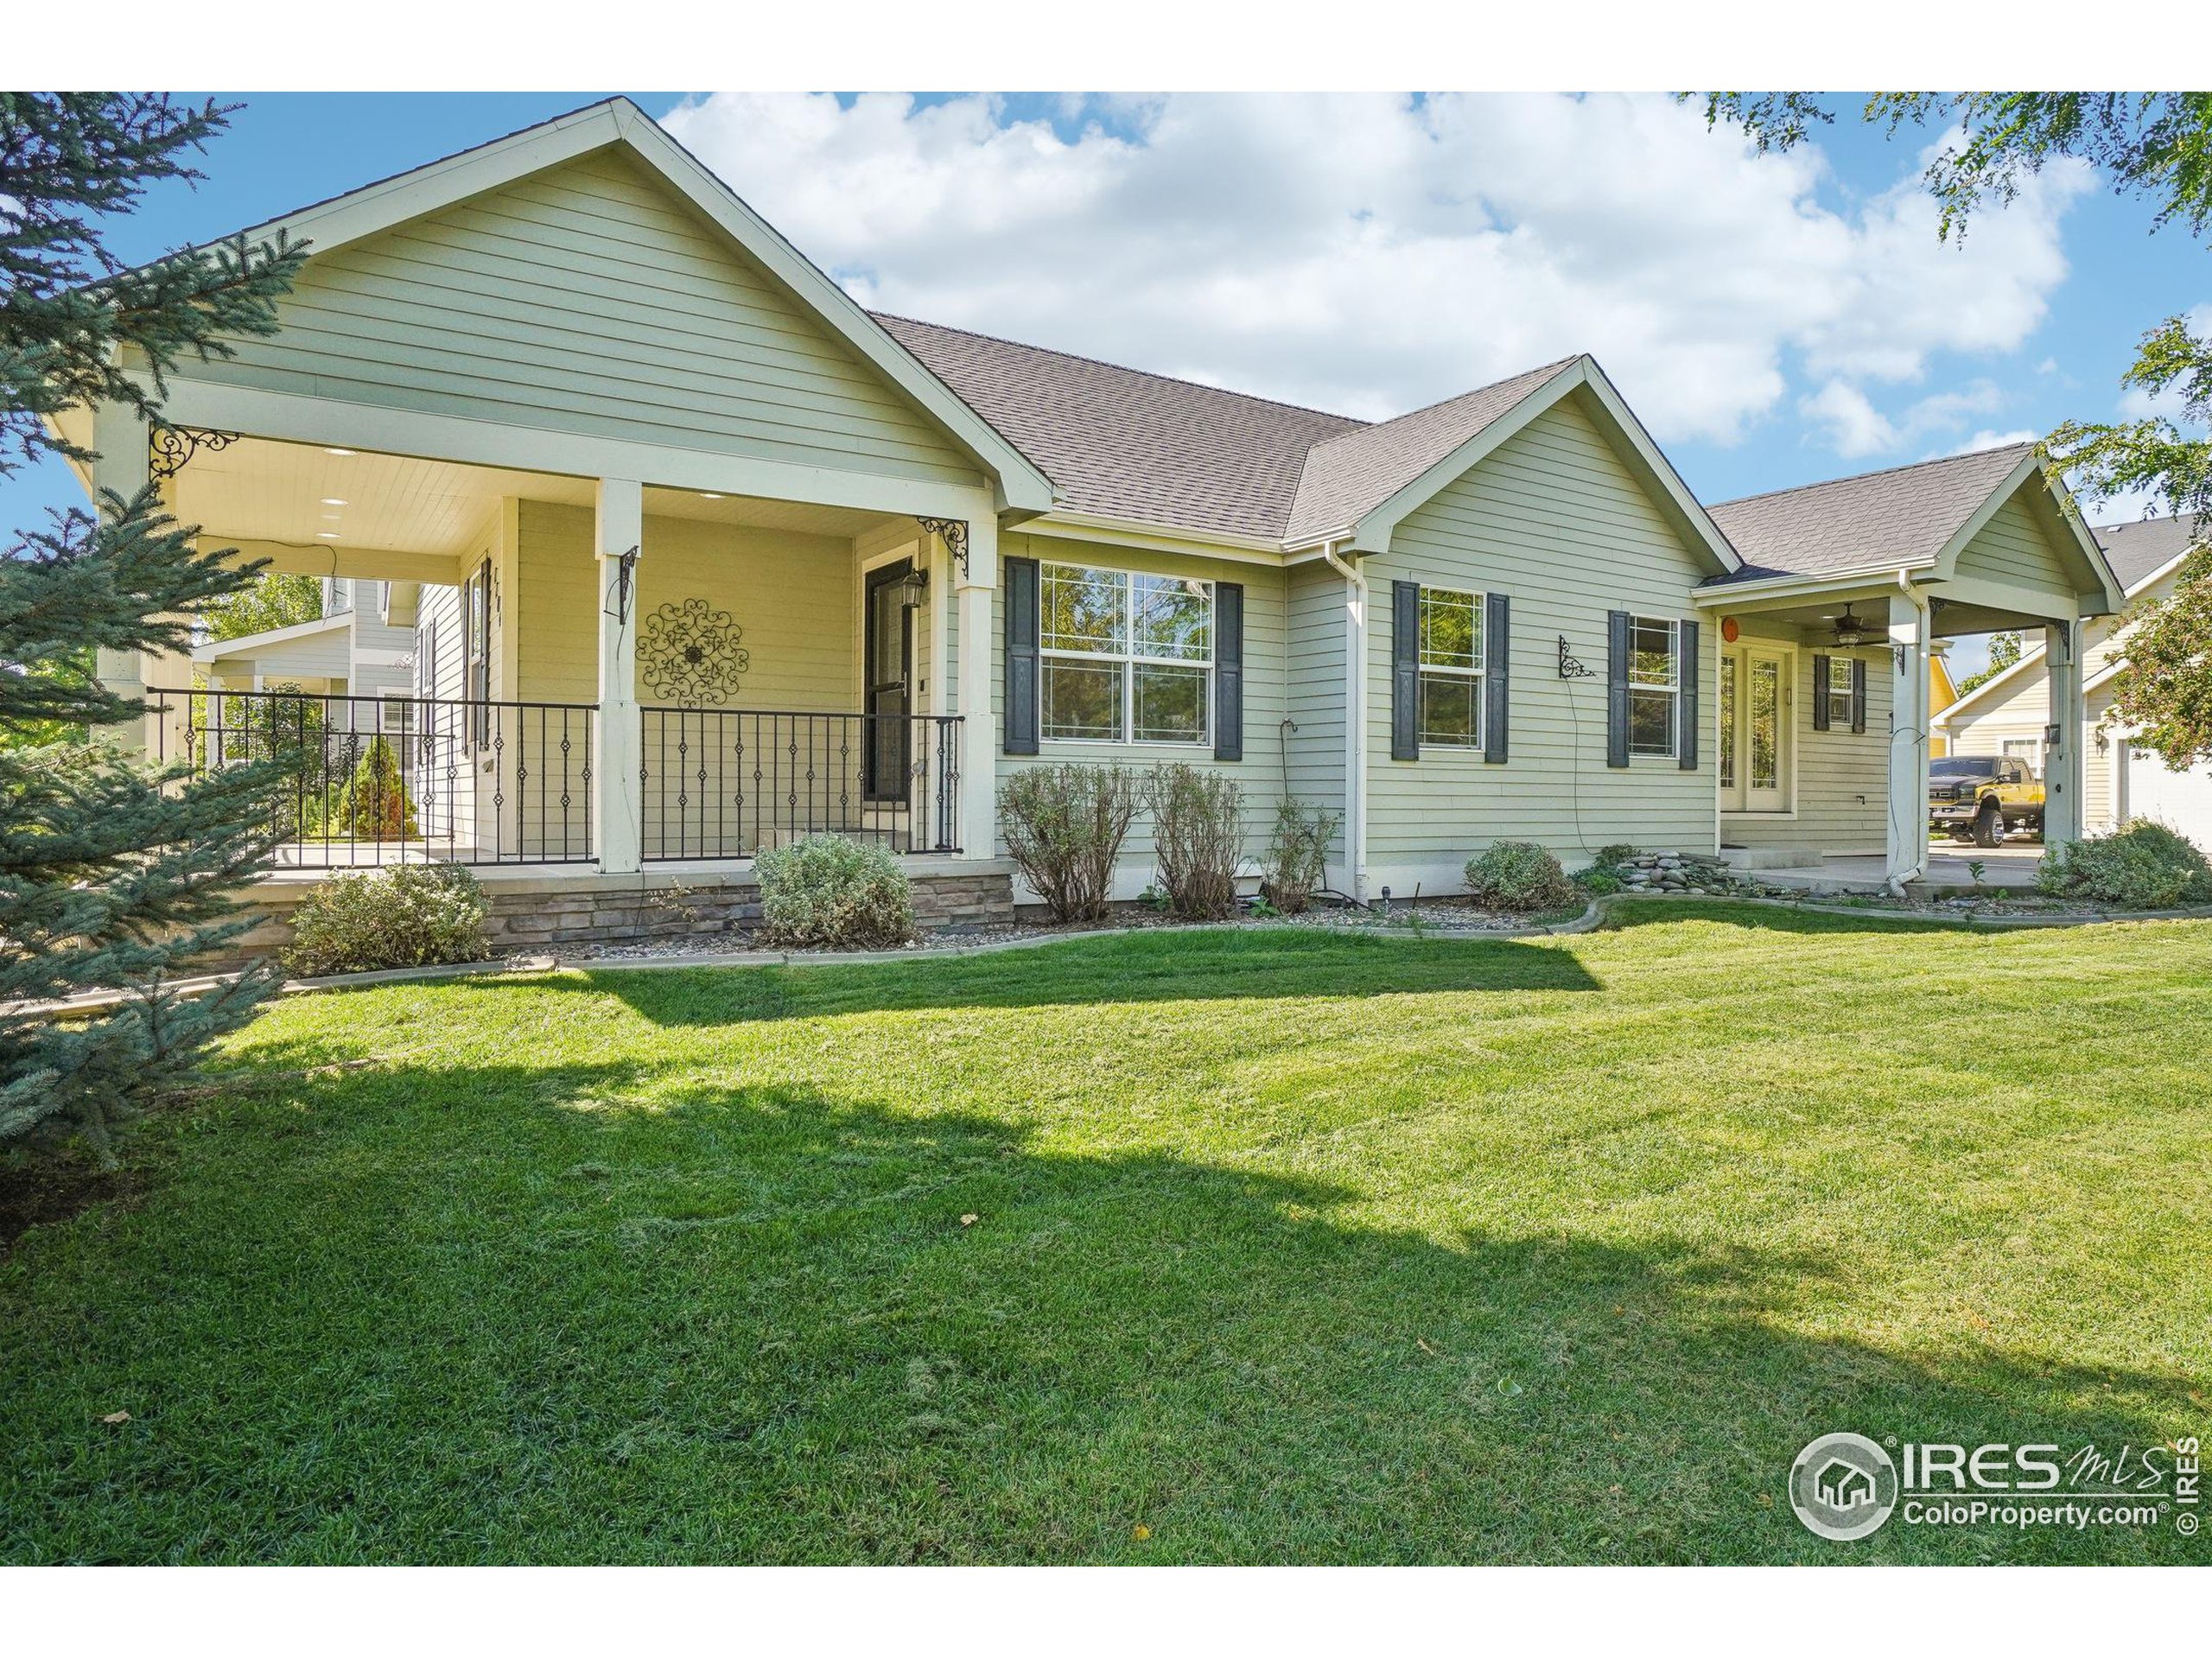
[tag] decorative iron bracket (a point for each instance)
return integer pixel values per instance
(955, 532)
(169, 447)
(1569, 667)
(625, 577)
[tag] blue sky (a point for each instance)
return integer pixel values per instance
(1775, 321)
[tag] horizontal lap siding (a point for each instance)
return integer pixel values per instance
(1554, 520)
(1266, 627)
(587, 299)
(1315, 697)
(2012, 548)
(1842, 777)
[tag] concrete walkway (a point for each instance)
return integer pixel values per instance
(2012, 867)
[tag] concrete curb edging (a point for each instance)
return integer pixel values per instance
(1593, 917)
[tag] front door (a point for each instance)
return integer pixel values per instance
(887, 671)
(1754, 730)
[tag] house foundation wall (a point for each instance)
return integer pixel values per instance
(550, 913)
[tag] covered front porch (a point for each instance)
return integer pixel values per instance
(597, 672)
(1825, 644)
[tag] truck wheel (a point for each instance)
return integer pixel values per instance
(1989, 826)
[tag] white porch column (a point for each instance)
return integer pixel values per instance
(979, 746)
(1908, 782)
(2062, 764)
(617, 801)
(122, 465)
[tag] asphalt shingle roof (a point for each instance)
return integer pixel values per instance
(1125, 444)
(1907, 513)
(2136, 550)
(1360, 469)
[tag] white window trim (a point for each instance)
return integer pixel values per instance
(1672, 686)
(1423, 668)
(1790, 653)
(1830, 692)
(1129, 659)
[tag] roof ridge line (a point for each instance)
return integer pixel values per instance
(1456, 397)
(1125, 368)
(1871, 471)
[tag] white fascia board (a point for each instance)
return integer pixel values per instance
(1720, 596)
(246, 644)
(1120, 533)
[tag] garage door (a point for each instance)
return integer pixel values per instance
(2181, 800)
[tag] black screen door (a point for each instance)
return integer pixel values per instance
(887, 670)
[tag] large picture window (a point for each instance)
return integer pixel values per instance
(1655, 686)
(1124, 656)
(1451, 669)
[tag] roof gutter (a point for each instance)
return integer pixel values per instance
(1355, 720)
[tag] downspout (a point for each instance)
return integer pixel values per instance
(1355, 721)
(1924, 622)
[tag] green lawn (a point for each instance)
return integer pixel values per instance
(1286, 1247)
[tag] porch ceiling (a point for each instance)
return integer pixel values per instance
(306, 496)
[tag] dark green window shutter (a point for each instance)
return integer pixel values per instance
(1858, 695)
(1021, 626)
(1405, 670)
(1820, 694)
(1497, 672)
(1686, 743)
(1617, 632)
(1228, 670)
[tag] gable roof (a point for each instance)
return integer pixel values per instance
(339, 220)
(2140, 550)
(1347, 475)
(1905, 515)
(243, 645)
(1123, 443)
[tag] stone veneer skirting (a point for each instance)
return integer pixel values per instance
(542, 910)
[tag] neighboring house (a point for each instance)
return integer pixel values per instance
(710, 557)
(1943, 692)
(361, 647)
(2010, 713)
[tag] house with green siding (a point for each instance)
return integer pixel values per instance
(706, 556)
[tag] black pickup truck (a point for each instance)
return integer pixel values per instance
(1982, 797)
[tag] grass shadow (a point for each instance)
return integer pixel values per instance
(1158, 967)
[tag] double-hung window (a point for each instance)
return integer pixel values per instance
(1124, 656)
(476, 648)
(1451, 668)
(1655, 686)
(1837, 694)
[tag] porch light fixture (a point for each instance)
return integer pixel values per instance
(1849, 630)
(710, 495)
(337, 452)
(327, 535)
(333, 501)
(912, 586)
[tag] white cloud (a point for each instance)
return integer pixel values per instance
(1371, 254)
(1985, 439)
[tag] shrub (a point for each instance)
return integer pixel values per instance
(2142, 866)
(1519, 876)
(1613, 855)
(372, 805)
(825, 890)
(1198, 836)
(1298, 852)
(1063, 828)
(1598, 880)
(405, 917)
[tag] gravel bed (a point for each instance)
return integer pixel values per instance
(1427, 915)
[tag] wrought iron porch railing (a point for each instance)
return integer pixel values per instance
(724, 783)
(395, 779)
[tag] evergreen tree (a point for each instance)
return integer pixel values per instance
(111, 874)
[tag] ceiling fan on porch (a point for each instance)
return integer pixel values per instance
(1849, 630)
